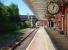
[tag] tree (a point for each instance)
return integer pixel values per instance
(8, 17)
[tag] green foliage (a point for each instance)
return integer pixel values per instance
(26, 24)
(9, 17)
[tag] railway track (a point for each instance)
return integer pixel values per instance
(23, 44)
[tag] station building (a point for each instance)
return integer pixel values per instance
(59, 21)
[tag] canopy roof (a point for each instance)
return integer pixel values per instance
(39, 7)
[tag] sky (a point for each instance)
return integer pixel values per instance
(23, 8)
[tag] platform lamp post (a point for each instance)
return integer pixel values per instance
(49, 20)
(31, 21)
(28, 16)
(54, 22)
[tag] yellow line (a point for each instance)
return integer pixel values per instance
(46, 44)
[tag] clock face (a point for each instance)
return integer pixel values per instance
(53, 8)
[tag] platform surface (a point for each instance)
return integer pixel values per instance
(41, 41)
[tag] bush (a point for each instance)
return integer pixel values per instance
(26, 24)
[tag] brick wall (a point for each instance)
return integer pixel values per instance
(58, 21)
(66, 20)
(44, 22)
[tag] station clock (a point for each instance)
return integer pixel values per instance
(53, 8)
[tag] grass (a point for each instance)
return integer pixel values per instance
(8, 37)
(4, 37)
(22, 30)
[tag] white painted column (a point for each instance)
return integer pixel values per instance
(62, 23)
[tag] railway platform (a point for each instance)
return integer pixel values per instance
(60, 40)
(41, 41)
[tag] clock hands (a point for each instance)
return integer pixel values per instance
(53, 7)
